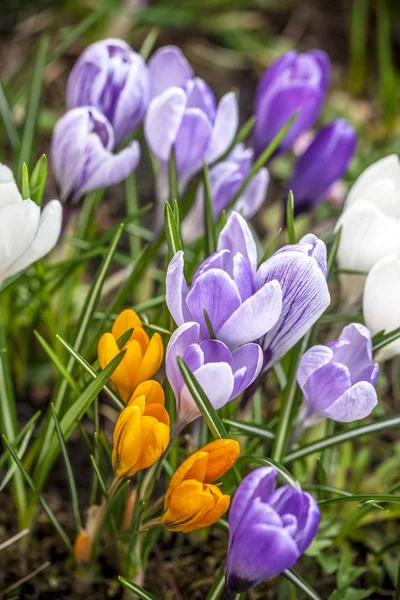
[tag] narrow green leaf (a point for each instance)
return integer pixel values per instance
(57, 362)
(333, 252)
(132, 206)
(38, 180)
(8, 121)
(136, 589)
(171, 232)
(262, 159)
(340, 438)
(21, 452)
(149, 42)
(271, 247)
(386, 339)
(42, 501)
(270, 462)
(301, 584)
(99, 476)
(70, 473)
(173, 178)
(290, 218)
(26, 191)
(209, 325)
(33, 103)
(358, 45)
(217, 586)
(20, 436)
(251, 429)
(210, 234)
(242, 135)
(362, 497)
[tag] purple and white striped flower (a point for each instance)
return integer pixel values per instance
(269, 529)
(113, 78)
(222, 374)
(338, 380)
(226, 178)
(82, 157)
(183, 116)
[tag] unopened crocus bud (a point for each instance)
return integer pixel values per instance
(269, 529)
(142, 431)
(381, 302)
(82, 154)
(293, 82)
(110, 76)
(27, 233)
(192, 501)
(226, 177)
(143, 355)
(370, 224)
(324, 162)
(82, 547)
(338, 379)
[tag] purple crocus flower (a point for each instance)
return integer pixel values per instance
(81, 152)
(293, 82)
(322, 164)
(226, 177)
(112, 77)
(224, 287)
(269, 529)
(300, 270)
(338, 380)
(183, 115)
(222, 374)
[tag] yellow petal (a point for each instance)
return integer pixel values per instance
(151, 361)
(139, 401)
(221, 505)
(152, 390)
(158, 412)
(127, 442)
(82, 547)
(222, 455)
(154, 443)
(188, 501)
(107, 349)
(125, 320)
(122, 376)
(180, 473)
(141, 337)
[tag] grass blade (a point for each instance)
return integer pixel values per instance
(210, 236)
(21, 452)
(217, 586)
(8, 121)
(173, 178)
(136, 589)
(171, 231)
(57, 362)
(270, 462)
(251, 429)
(301, 584)
(271, 247)
(290, 218)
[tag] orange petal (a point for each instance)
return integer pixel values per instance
(154, 443)
(222, 502)
(158, 412)
(107, 349)
(152, 390)
(82, 547)
(151, 361)
(127, 442)
(181, 473)
(125, 320)
(139, 401)
(222, 455)
(188, 501)
(142, 337)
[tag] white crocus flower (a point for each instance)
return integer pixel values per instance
(381, 303)
(370, 223)
(26, 232)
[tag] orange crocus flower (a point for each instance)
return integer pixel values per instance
(142, 359)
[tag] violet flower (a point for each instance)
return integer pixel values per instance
(338, 380)
(183, 116)
(323, 163)
(224, 287)
(226, 177)
(81, 152)
(293, 82)
(269, 529)
(222, 374)
(110, 76)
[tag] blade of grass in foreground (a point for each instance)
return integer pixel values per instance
(8, 121)
(136, 589)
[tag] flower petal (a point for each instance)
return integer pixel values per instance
(9, 192)
(18, 227)
(163, 120)
(177, 290)
(356, 403)
(236, 236)
(247, 363)
(315, 358)
(181, 339)
(225, 127)
(191, 141)
(168, 67)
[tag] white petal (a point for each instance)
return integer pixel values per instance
(163, 120)
(18, 227)
(9, 193)
(225, 127)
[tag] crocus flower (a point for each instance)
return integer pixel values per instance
(222, 374)
(293, 82)
(338, 379)
(110, 76)
(269, 529)
(370, 223)
(82, 547)
(226, 177)
(192, 501)
(183, 116)
(224, 287)
(381, 302)
(142, 359)
(323, 163)
(81, 151)
(26, 232)
(142, 432)
(300, 270)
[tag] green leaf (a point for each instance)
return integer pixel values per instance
(21, 453)
(251, 429)
(340, 438)
(42, 501)
(210, 234)
(217, 586)
(209, 325)
(270, 462)
(242, 135)
(358, 497)
(19, 437)
(70, 473)
(149, 42)
(60, 365)
(347, 572)
(333, 252)
(172, 234)
(136, 589)
(385, 339)
(173, 178)
(8, 121)
(301, 584)
(271, 247)
(290, 218)
(32, 111)
(38, 180)
(132, 207)
(99, 476)
(26, 192)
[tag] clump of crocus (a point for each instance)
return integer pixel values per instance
(293, 82)
(112, 77)
(82, 153)
(143, 355)
(142, 431)
(269, 529)
(338, 380)
(27, 233)
(192, 500)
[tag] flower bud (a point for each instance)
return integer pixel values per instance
(110, 76)
(293, 82)
(142, 431)
(82, 547)
(82, 157)
(143, 356)
(192, 502)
